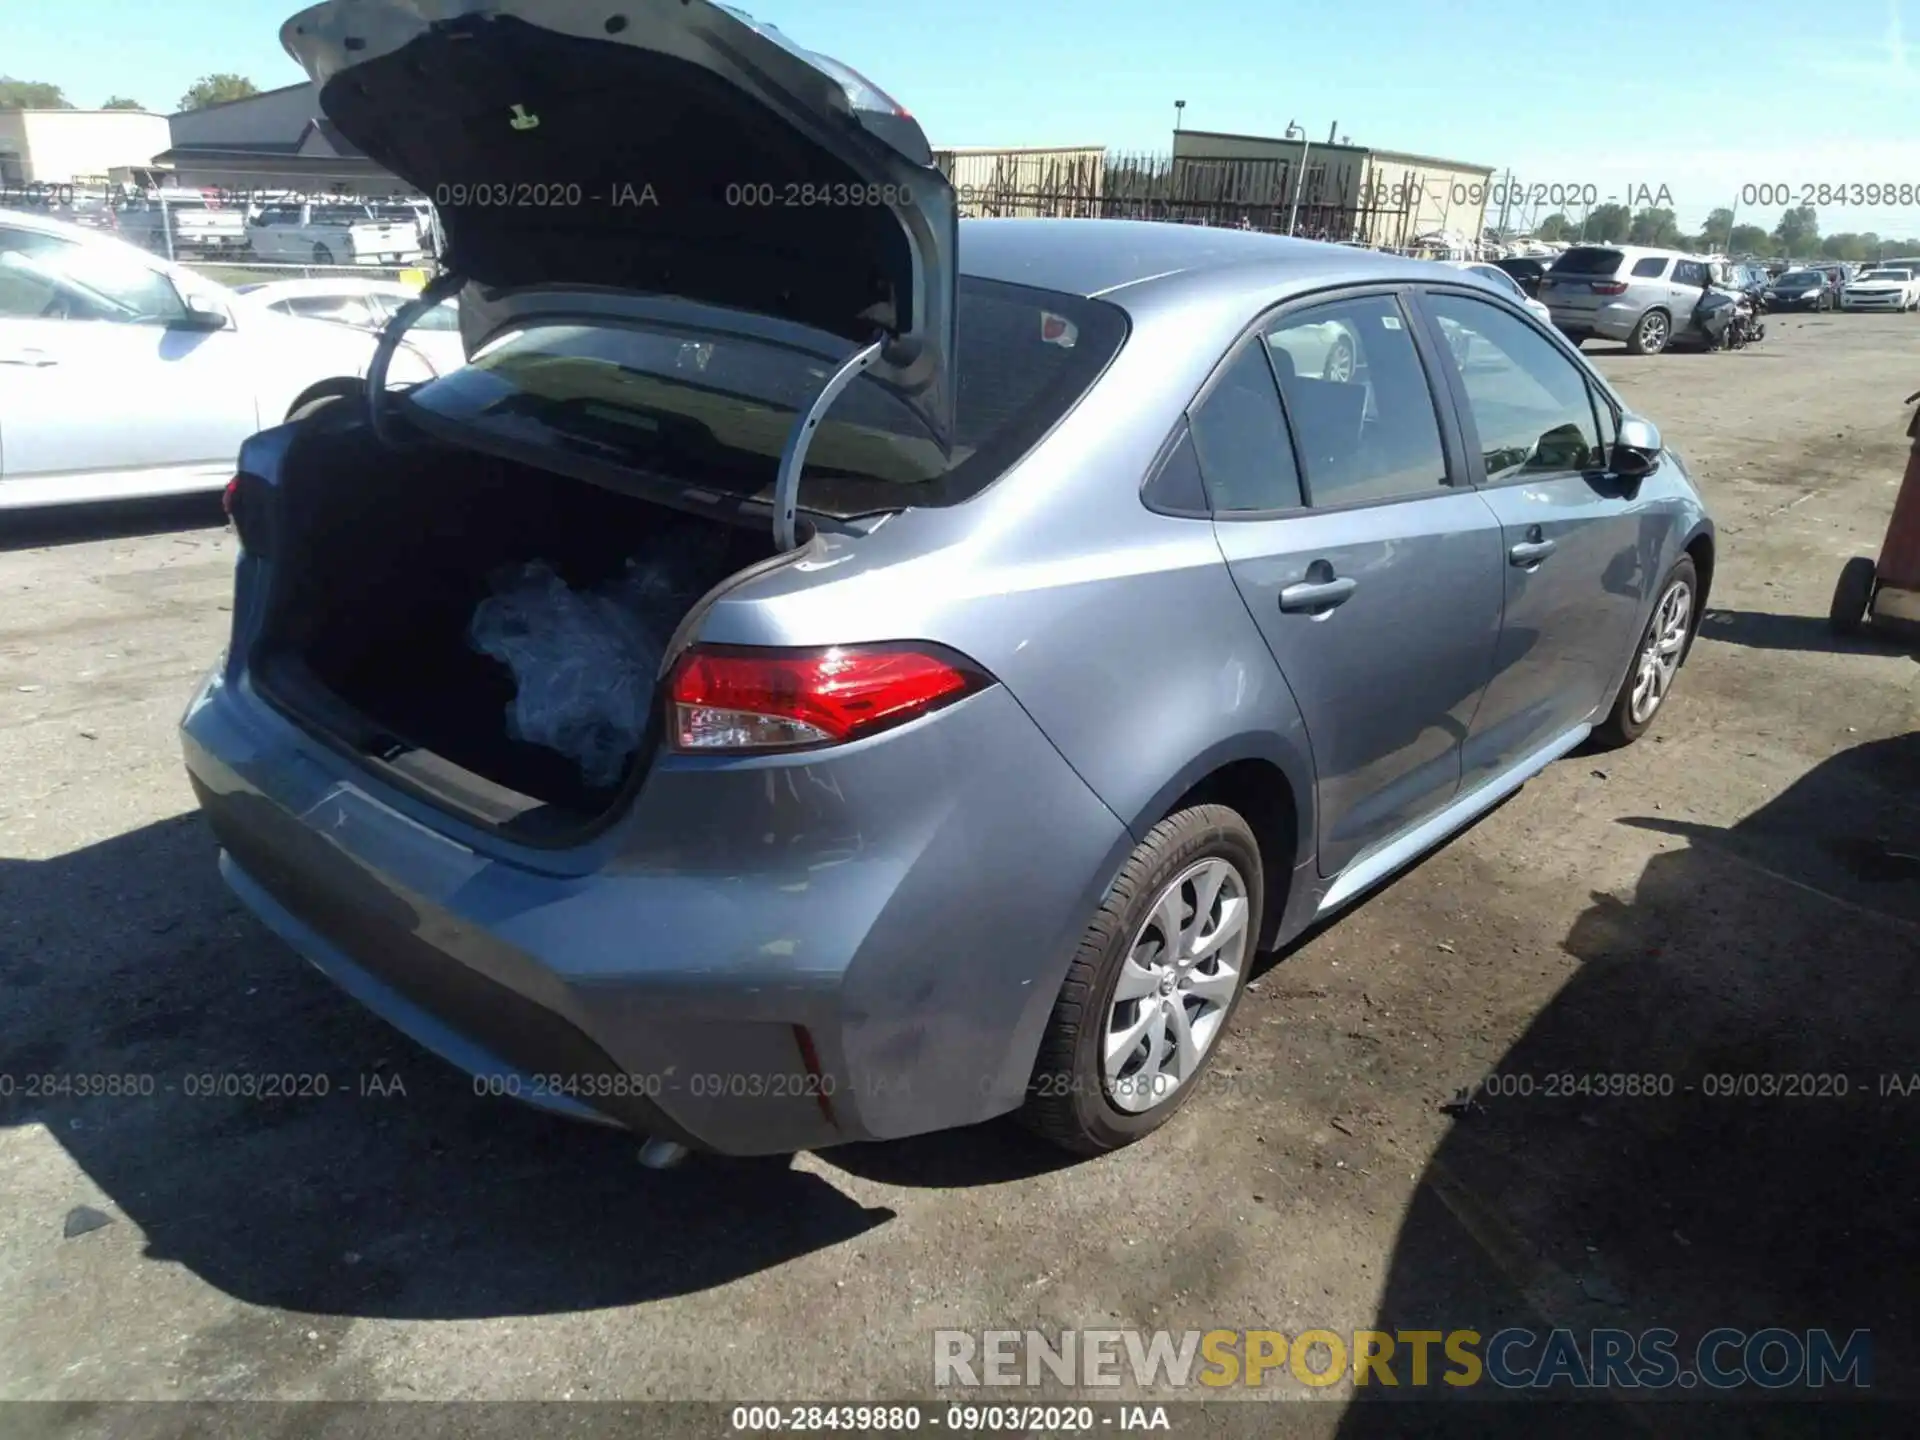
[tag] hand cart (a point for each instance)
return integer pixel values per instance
(1887, 593)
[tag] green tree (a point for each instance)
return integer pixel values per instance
(31, 95)
(121, 102)
(217, 89)
(1718, 231)
(1654, 227)
(1750, 240)
(1848, 246)
(1798, 231)
(1555, 227)
(1606, 224)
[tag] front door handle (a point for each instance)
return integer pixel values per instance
(1315, 595)
(1529, 553)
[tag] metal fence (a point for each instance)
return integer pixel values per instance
(1252, 194)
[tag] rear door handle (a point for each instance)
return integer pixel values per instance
(1530, 552)
(1318, 594)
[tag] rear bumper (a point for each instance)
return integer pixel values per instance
(1610, 322)
(763, 957)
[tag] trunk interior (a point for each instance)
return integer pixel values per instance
(380, 558)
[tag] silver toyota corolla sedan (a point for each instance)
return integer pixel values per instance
(826, 672)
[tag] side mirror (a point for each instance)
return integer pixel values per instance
(1638, 449)
(206, 313)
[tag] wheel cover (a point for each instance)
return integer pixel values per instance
(1339, 364)
(1180, 974)
(1660, 655)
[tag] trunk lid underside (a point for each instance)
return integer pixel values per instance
(675, 150)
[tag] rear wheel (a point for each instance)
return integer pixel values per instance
(1339, 362)
(1851, 596)
(1656, 660)
(1155, 981)
(1650, 336)
(321, 397)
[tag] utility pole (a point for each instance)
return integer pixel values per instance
(1178, 107)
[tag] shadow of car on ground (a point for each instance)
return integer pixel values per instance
(369, 1179)
(1763, 981)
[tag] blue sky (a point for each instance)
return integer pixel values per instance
(1772, 91)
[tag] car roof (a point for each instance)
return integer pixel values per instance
(1134, 260)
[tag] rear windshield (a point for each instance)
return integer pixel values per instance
(1588, 260)
(716, 410)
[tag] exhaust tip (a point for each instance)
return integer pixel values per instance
(657, 1154)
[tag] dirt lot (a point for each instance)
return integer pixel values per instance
(1718, 899)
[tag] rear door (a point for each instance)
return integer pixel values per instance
(1685, 286)
(1578, 551)
(1374, 578)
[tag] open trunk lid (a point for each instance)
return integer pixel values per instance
(659, 149)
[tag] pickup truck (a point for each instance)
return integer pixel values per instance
(179, 226)
(332, 233)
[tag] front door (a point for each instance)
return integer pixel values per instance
(1374, 579)
(1578, 548)
(98, 374)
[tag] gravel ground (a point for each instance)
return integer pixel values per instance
(1718, 899)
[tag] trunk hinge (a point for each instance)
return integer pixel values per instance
(793, 457)
(439, 288)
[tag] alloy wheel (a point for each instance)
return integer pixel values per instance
(1339, 364)
(1653, 334)
(1660, 656)
(1180, 976)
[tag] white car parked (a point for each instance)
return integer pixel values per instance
(333, 232)
(122, 375)
(367, 305)
(1884, 287)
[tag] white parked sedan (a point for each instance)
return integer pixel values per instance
(122, 375)
(367, 305)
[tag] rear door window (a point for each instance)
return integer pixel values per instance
(1240, 439)
(1359, 403)
(1651, 268)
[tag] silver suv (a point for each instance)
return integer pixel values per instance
(1643, 296)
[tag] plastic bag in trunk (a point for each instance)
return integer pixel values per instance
(585, 662)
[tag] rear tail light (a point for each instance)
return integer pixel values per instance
(1609, 287)
(727, 699)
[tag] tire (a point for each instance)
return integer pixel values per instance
(1628, 720)
(1851, 596)
(1651, 334)
(1070, 1099)
(322, 255)
(312, 404)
